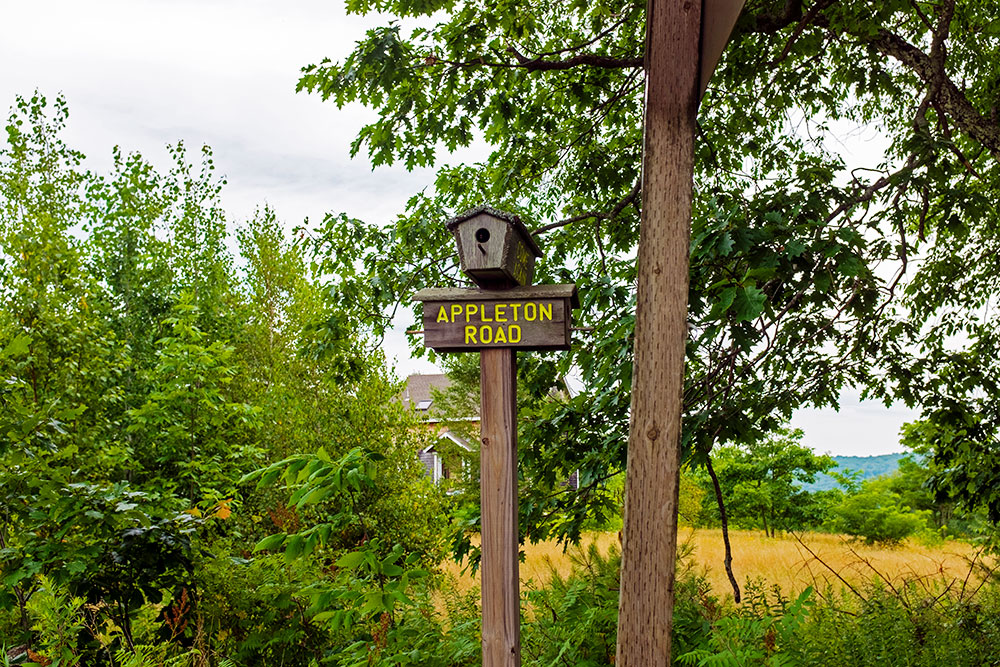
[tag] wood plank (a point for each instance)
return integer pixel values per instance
(529, 292)
(717, 23)
(545, 326)
(498, 488)
(529, 324)
(649, 534)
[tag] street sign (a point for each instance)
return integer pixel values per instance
(508, 314)
(526, 318)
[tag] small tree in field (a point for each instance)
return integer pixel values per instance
(762, 482)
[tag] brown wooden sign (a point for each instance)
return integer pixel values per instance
(528, 318)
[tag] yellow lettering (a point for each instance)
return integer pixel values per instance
(470, 310)
(501, 337)
(511, 330)
(515, 307)
(456, 310)
(484, 318)
(530, 311)
(470, 335)
(442, 315)
(485, 334)
(499, 312)
(545, 311)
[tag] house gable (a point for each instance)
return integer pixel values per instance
(432, 461)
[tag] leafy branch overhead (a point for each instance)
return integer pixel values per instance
(845, 214)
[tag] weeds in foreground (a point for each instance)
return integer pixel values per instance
(570, 619)
(918, 621)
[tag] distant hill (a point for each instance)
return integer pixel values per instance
(869, 466)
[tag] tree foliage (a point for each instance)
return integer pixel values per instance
(811, 269)
(144, 369)
(762, 483)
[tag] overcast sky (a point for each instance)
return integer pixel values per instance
(144, 73)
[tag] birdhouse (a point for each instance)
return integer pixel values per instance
(496, 250)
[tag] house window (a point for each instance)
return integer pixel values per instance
(424, 405)
(436, 476)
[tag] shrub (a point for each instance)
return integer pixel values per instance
(877, 517)
(573, 620)
(920, 623)
(253, 611)
(910, 626)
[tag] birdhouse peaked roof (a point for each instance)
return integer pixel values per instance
(509, 218)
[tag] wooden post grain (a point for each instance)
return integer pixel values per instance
(498, 486)
(649, 535)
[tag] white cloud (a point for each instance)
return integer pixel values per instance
(145, 73)
(859, 428)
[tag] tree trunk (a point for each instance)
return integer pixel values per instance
(649, 535)
(724, 520)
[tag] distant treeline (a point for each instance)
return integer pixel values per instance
(867, 467)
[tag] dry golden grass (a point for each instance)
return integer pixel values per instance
(783, 561)
(792, 565)
(537, 559)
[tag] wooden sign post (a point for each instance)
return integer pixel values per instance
(505, 315)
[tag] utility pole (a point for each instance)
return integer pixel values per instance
(680, 57)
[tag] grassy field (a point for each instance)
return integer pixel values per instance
(784, 560)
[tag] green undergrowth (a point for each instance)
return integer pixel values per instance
(917, 622)
(256, 615)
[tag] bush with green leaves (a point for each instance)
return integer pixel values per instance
(58, 618)
(116, 547)
(363, 599)
(920, 623)
(256, 609)
(753, 636)
(575, 618)
(144, 369)
(877, 516)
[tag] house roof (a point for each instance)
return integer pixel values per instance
(419, 394)
(418, 388)
(454, 437)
